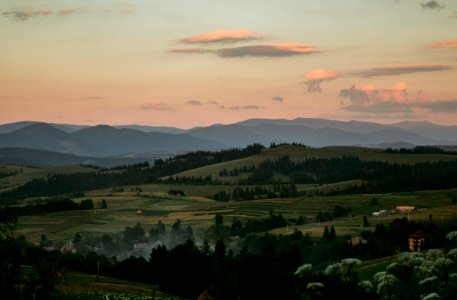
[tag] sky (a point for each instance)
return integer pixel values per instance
(201, 62)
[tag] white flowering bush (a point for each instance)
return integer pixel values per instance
(304, 269)
(452, 236)
(315, 286)
(429, 276)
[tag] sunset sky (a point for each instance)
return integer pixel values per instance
(199, 62)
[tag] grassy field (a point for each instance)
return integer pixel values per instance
(297, 153)
(154, 203)
(147, 204)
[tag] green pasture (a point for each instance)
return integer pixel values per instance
(153, 203)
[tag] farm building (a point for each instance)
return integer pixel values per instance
(406, 208)
(416, 241)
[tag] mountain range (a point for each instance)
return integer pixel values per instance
(92, 142)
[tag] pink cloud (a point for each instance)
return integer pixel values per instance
(316, 77)
(445, 44)
(223, 36)
(379, 100)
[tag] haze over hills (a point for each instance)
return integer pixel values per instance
(108, 141)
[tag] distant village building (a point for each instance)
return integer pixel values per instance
(355, 240)
(382, 212)
(205, 296)
(68, 247)
(416, 241)
(140, 246)
(406, 208)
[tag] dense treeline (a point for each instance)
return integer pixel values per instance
(256, 192)
(7, 173)
(57, 184)
(421, 150)
(55, 205)
(261, 267)
(381, 176)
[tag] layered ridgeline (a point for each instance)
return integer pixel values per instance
(103, 141)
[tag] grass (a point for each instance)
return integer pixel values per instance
(83, 286)
(154, 204)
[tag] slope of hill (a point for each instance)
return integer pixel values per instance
(297, 154)
(44, 137)
(105, 140)
(42, 158)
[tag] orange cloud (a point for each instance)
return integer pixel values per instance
(223, 36)
(315, 79)
(445, 44)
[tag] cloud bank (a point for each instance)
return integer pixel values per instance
(369, 99)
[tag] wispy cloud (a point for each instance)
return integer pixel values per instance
(92, 97)
(213, 102)
(432, 5)
(223, 36)
(445, 44)
(278, 99)
(264, 50)
(126, 7)
(194, 103)
(245, 107)
(23, 15)
(268, 50)
(400, 69)
(192, 50)
(157, 106)
(316, 77)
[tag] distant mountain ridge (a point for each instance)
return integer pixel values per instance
(105, 141)
(102, 141)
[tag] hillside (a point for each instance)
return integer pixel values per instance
(298, 154)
